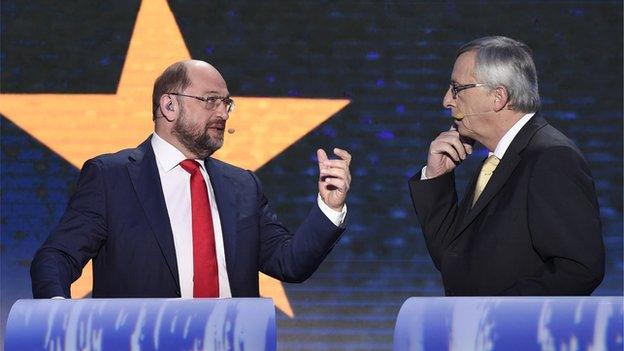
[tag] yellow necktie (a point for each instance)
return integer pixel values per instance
(484, 176)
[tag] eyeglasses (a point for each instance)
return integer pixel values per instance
(456, 88)
(211, 102)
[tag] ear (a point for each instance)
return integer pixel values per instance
(169, 107)
(501, 98)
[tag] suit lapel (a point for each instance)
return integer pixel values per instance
(504, 170)
(145, 178)
(226, 203)
(496, 182)
(466, 202)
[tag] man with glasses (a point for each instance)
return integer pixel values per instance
(167, 220)
(529, 221)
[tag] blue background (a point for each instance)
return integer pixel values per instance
(392, 60)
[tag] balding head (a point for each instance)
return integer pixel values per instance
(204, 76)
(200, 65)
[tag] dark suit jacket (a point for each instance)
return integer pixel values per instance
(119, 218)
(535, 229)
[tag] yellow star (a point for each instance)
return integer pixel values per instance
(81, 126)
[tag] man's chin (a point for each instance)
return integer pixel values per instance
(207, 153)
(216, 142)
(207, 148)
(216, 136)
(216, 145)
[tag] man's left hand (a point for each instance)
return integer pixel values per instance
(334, 178)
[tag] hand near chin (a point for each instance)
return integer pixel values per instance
(334, 178)
(445, 152)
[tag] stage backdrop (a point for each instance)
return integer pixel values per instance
(365, 76)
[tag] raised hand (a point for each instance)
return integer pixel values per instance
(334, 178)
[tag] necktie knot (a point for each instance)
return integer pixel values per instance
(190, 166)
(485, 174)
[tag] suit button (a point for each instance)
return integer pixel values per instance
(178, 293)
(449, 292)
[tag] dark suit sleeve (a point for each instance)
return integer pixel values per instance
(435, 202)
(75, 240)
(564, 224)
(293, 257)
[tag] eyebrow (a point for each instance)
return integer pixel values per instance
(212, 92)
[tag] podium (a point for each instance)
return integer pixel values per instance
(142, 324)
(510, 323)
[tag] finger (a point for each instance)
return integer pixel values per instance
(336, 164)
(454, 139)
(321, 155)
(446, 148)
(449, 133)
(453, 133)
(335, 175)
(334, 172)
(322, 158)
(459, 147)
(336, 184)
(343, 154)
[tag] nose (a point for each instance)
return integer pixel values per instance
(448, 101)
(222, 111)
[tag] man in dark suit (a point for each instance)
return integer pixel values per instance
(167, 220)
(529, 222)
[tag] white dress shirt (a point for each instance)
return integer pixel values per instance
(175, 183)
(506, 140)
(503, 144)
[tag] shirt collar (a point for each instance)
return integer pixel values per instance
(167, 155)
(506, 140)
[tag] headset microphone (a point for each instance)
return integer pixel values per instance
(231, 130)
(460, 115)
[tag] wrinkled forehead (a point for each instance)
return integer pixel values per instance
(463, 70)
(205, 79)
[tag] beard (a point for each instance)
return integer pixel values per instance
(195, 138)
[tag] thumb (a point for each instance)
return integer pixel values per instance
(321, 155)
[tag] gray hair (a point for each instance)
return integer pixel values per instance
(502, 61)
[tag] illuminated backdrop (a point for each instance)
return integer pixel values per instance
(384, 66)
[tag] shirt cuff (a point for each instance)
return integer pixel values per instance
(423, 174)
(57, 298)
(334, 216)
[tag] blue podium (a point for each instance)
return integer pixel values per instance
(510, 323)
(142, 324)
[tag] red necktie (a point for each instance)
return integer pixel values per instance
(205, 272)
